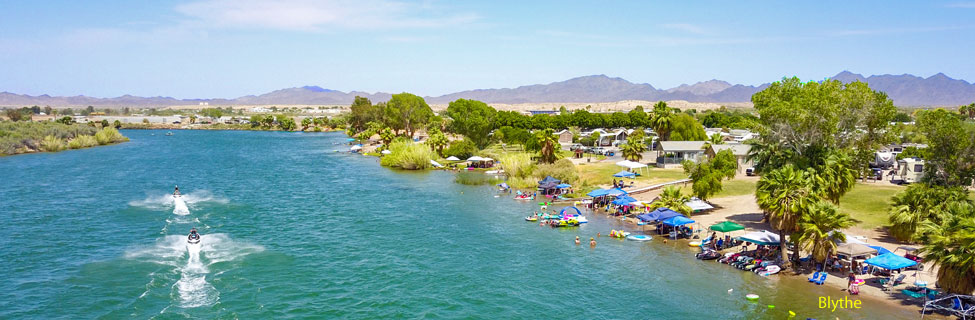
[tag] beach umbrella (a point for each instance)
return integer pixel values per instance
(386, 152)
(453, 158)
(355, 147)
(727, 226)
(854, 249)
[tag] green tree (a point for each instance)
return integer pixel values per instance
(952, 248)
(634, 147)
(684, 127)
(835, 177)
(661, 120)
(65, 120)
(117, 124)
(715, 139)
(192, 118)
(638, 117)
(461, 149)
(305, 123)
(816, 229)
(785, 195)
(918, 205)
(363, 112)
(547, 142)
(287, 123)
(407, 112)
(706, 176)
(673, 199)
(473, 119)
(437, 140)
(951, 148)
(14, 115)
(105, 123)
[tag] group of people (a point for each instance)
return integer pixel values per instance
(718, 243)
(620, 184)
(592, 242)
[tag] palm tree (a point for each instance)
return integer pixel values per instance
(836, 176)
(952, 248)
(673, 199)
(547, 140)
(920, 204)
(715, 139)
(768, 155)
(816, 229)
(661, 120)
(437, 140)
(634, 148)
(785, 194)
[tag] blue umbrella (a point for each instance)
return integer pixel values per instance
(624, 200)
(890, 261)
(677, 221)
(625, 174)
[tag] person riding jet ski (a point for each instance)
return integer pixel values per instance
(194, 237)
(176, 192)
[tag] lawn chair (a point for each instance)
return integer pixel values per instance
(899, 279)
(814, 277)
(822, 279)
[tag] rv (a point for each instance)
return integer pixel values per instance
(909, 170)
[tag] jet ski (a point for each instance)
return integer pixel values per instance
(193, 237)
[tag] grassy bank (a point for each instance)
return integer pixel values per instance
(28, 137)
(868, 203)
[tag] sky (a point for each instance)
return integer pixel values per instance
(232, 48)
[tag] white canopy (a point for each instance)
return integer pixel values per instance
(475, 158)
(436, 164)
(698, 204)
(487, 159)
(761, 237)
(631, 165)
(453, 158)
(355, 147)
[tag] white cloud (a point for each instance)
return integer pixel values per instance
(307, 15)
(687, 27)
(963, 4)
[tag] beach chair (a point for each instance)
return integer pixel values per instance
(866, 270)
(822, 279)
(912, 294)
(814, 277)
(899, 279)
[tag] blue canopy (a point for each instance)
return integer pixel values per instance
(624, 200)
(350, 139)
(598, 193)
(624, 173)
(880, 250)
(890, 261)
(563, 186)
(615, 192)
(677, 221)
(573, 208)
(659, 214)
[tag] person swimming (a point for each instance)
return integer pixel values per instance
(577, 240)
(592, 242)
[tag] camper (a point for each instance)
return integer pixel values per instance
(909, 170)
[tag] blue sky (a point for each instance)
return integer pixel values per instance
(230, 48)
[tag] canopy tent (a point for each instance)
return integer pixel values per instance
(624, 200)
(625, 174)
(548, 185)
(573, 208)
(763, 237)
(453, 158)
(386, 151)
(549, 179)
(475, 158)
(615, 192)
(356, 147)
(436, 164)
(855, 249)
(563, 186)
(487, 159)
(659, 214)
(698, 205)
(598, 193)
(890, 261)
(631, 165)
(851, 239)
(677, 221)
(880, 250)
(727, 226)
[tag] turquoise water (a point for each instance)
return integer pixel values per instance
(292, 229)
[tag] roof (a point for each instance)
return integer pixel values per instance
(740, 150)
(682, 145)
(561, 132)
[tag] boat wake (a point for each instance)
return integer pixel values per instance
(193, 263)
(181, 204)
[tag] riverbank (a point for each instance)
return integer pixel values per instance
(31, 137)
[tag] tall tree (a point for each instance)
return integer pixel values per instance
(634, 147)
(951, 247)
(547, 142)
(473, 119)
(785, 195)
(363, 112)
(921, 204)
(817, 229)
(673, 199)
(951, 144)
(661, 120)
(437, 140)
(406, 111)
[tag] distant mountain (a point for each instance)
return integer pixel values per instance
(910, 90)
(905, 90)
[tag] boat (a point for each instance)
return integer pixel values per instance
(193, 237)
(169, 133)
(639, 237)
(708, 255)
(531, 219)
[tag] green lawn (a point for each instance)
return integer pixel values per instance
(868, 203)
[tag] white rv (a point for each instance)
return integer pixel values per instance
(909, 170)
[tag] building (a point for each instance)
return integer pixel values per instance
(739, 150)
(565, 136)
(672, 153)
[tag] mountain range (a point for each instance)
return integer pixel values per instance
(905, 90)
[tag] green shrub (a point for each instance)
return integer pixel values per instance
(82, 141)
(462, 149)
(19, 137)
(407, 155)
(52, 144)
(563, 170)
(109, 135)
(517, 165)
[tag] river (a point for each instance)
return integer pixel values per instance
(292, 228)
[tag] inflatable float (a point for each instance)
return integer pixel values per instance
(751, 297)
(639, 237)
(694, 243)
(533, 219)
(618, 234)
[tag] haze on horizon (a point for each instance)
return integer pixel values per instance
(227, 49)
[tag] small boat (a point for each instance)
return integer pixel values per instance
(169, 133)
(639, 237)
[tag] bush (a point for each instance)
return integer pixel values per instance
(462, 149)
(563, 170)
(20, 137)
(517, 165)
(52, 144)
(82, 141)
(407, 155)
(109, 135)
